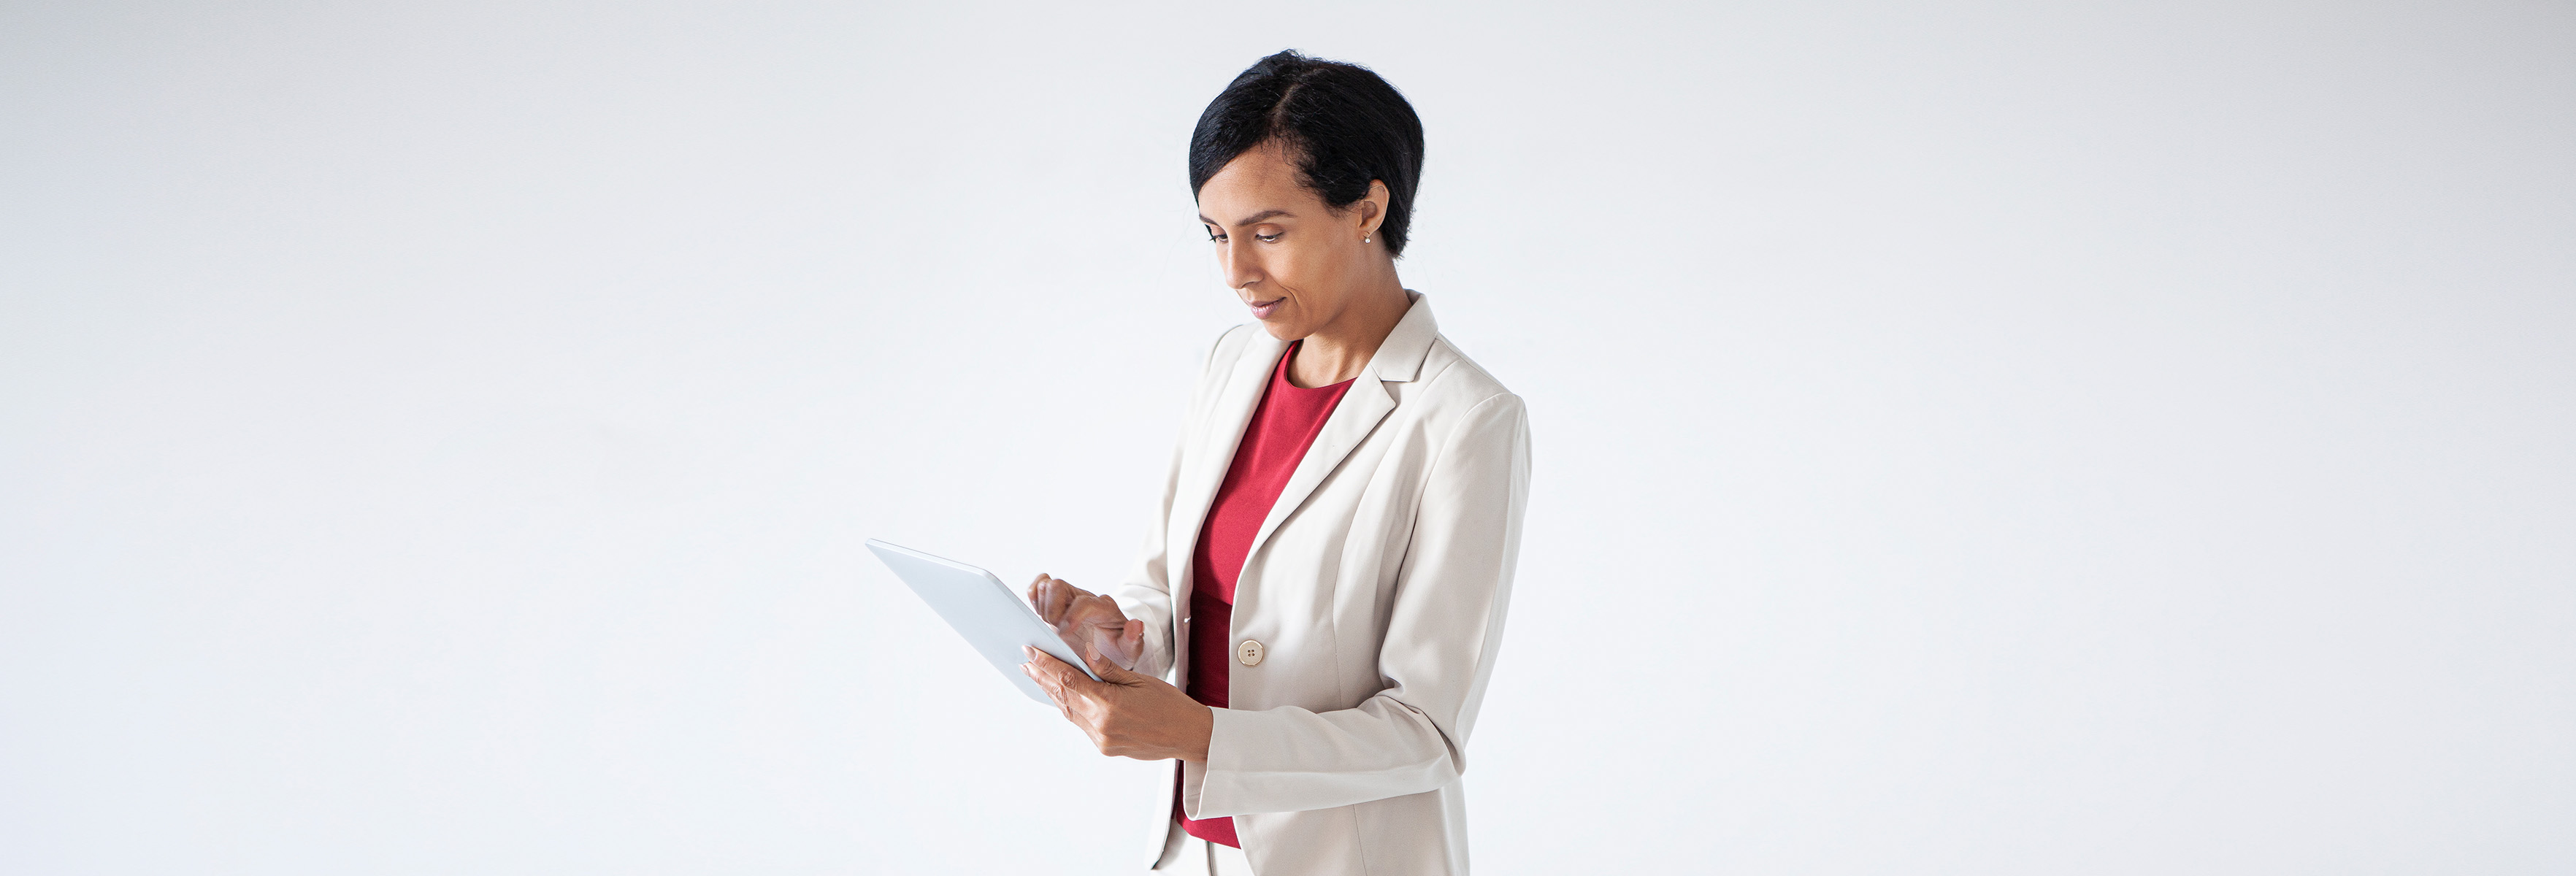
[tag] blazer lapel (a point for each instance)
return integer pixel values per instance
(1351, 422)
(1203, 472)
(1398, 359)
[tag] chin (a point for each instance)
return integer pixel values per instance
(1283, 329)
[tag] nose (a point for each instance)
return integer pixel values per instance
(1241, 268)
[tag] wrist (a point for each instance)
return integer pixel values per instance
(1196, 732)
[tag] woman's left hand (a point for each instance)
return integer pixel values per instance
(1124, 713)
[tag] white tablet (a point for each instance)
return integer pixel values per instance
(994, 619)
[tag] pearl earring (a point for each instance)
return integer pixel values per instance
(1364, 240)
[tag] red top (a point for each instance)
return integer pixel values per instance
(1282, 428)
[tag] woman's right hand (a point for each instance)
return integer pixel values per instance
(1089, 622)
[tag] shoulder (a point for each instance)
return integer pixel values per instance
(1230, 345)
(1225, 359)
(1449, 379)
(1452, 391)
(1227, 353)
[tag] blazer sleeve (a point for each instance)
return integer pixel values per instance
(1444, 627)
(1146, 594)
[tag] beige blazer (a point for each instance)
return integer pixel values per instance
(1367, 615)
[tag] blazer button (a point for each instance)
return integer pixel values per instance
(1249, 652)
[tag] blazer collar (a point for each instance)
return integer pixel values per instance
(1399, 357)
(1399, 360)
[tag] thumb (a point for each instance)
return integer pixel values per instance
(1101, 665)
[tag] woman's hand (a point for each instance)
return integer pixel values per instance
(1089, 622)
(1125, 714)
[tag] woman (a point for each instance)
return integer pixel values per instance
(1327, 578)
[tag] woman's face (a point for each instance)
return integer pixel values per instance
(1294, 261)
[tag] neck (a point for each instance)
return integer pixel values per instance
(1337, 351)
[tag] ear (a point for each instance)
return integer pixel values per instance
(1372, 208)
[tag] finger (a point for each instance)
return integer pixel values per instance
(1095, 605)
(1050, 669)
(1059, 600)
(1052, 676)
(1078, 605)
(1044, 599)
(1131, 640)
(1055, 695)
(1101, 663)
(1030, 669)
(1067, 702)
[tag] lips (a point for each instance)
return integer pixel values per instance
(1263, 309)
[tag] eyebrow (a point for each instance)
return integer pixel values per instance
(1247, 220)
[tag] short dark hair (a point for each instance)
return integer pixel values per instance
(1344, 125)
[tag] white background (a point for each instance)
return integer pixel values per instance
(1970, 438)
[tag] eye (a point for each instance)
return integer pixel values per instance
(1266, 238)
(1215, 236)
